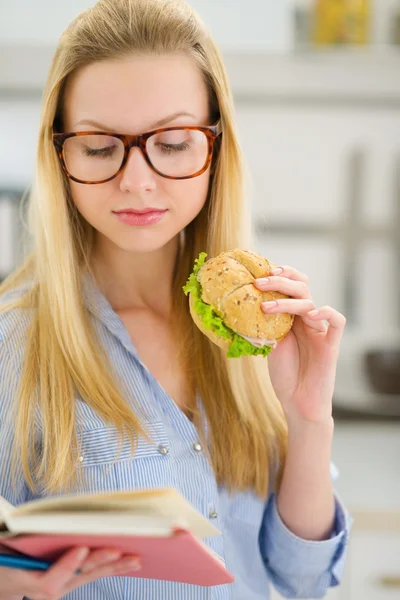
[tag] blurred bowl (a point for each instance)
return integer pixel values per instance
(382, 369)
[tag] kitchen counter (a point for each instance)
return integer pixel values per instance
(354, 398)
(342, 414)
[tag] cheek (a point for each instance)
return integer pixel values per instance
(90, 200)
(189, 195)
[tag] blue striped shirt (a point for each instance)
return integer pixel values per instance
(255, 544)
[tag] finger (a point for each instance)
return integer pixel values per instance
(290, 287)
(335, 319)
(294, 307)
(288, 305)
(63, 570)
(290, 273)
(99, 557)
(127, 564)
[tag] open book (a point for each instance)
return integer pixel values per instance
(158, 525)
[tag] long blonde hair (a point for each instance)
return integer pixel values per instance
(246, 426)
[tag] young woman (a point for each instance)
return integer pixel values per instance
(97, 344)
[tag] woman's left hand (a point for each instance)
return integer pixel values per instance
(303, 365)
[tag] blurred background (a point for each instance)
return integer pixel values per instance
(317, 95)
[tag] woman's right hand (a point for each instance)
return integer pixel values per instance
(62, 578)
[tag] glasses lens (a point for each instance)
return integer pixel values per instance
(93, 158)
(178, 153)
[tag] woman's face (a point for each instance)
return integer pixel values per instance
(131, 96)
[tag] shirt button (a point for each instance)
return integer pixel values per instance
(212, 514)
(81, 459)
(197, 447)
(162, 449)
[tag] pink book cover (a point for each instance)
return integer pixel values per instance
(179, 557)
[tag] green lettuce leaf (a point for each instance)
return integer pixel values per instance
(239, 346)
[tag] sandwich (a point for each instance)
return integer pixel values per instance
(226, 306)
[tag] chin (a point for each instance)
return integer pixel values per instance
(143, 242)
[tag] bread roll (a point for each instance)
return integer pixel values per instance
(227, 285)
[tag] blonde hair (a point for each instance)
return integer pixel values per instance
(246, 426)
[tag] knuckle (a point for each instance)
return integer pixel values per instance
(89, 565)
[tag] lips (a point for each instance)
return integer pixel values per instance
(145, 217)
(144, 211)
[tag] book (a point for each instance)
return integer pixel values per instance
(159, 525)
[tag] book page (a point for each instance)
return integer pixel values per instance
(90, 502)
(165, 503)
(93, 524)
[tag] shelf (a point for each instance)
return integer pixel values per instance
(331, 76)
(338, 76)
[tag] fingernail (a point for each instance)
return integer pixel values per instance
(82, 553)
(313, 313)
(132, 564)
(112, 555)
(262, 281)
(269, 304)
(277, 270)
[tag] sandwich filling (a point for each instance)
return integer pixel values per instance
(240, 345)
(259, 342)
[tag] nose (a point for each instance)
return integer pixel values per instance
(137, 175)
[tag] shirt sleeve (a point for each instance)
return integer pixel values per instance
(301, 568)
(14, 491)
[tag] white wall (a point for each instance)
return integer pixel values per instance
(248, 24)
(236, 24)
(244, 24)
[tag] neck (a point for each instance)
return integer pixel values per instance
(135, 280)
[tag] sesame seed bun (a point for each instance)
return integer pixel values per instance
(227, 285)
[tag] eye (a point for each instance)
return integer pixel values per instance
(168, 148)
(101, 152)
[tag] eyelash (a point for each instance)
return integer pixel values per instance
(167, 148)
(103, 152)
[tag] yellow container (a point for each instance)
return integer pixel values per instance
(342, 22)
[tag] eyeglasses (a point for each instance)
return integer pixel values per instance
(173, 152)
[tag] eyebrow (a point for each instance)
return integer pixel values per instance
(155, 125)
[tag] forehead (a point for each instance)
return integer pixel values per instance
(130, 94)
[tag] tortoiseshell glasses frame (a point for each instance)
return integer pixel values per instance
(139, 140)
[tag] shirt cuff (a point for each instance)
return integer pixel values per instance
(302, 566)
